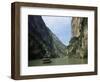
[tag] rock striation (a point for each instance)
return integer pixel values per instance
(78, 45)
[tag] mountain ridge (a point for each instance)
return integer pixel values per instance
(41, 40)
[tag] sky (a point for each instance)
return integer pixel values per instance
(60, 26)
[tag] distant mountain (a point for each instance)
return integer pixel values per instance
(42, 41)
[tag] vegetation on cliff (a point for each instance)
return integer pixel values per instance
(78, 46)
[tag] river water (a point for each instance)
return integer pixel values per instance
(58, 61)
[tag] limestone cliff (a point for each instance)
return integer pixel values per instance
(41, 41)
(78, 44)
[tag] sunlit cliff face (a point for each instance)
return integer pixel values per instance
(80, 31)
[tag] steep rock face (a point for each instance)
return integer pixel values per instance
(41, 41)
(76, 26)
(58, 47)
(78, 43)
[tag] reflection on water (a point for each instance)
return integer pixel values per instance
(58, 61)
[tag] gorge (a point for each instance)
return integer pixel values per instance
(42, 42)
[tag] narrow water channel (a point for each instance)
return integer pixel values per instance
(58, 61)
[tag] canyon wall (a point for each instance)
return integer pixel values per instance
(78, 45)
(42, 42)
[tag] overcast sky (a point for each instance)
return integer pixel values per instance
(60, 26)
